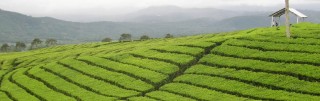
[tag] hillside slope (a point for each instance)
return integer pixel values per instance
(254, 64)
(16, 27)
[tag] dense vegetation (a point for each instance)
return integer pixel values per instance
(254, 64)
(16, 27)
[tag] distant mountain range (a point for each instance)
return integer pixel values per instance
(153, 21)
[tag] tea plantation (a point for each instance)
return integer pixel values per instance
(253, 64)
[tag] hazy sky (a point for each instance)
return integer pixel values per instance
(58, 8)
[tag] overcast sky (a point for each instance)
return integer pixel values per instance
(56, 8)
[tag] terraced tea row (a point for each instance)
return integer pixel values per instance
(282, 40)
(260, 79)
(64, 85)
(271, 46)
(300, 71)
(272, 56)
(254, 64)
(240, 89)
(119, 79)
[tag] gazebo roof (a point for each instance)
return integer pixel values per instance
(292, 10)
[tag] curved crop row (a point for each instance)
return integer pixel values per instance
(270, 46)
(273, 81)
(272, 56)
(105, 75)
(159, 66)
(7, 64)
(166, 96)
(178, 59)
(198, 92)
(239, 88)
(15, 91)
(63, 85)
(4, 96)
(37, 87)
(143, 74)
(141, 99)
(282, 40)
(181, 49)
(303, 72)
(96, 85)
(199, 44)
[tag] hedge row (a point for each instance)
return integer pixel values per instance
(115, 78)
(302, 72)
(66, 86)
(134, 71)
(159, 66)
(268, 80)
(199, 93)
(271, 46)
(272, 56)
(242, 89)
(95, 84)
(37, 87)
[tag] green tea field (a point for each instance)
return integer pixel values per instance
(253, 64)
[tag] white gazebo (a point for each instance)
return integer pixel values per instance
(300, 16)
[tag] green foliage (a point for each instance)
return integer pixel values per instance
(253, 64)
(66, 86)
(168, 36)
(179, 59)
(106, 40)
(168, 96)
(272, 46)
(51, 42)
(105, 75)
(199, 92)
(4, 97)
(238, 63)
(20, 46)
(291, 57)
(153, 77)
(35, 43)
(287, 83)
(125, 37)
(37, 87)
(303, 41)
(141, 99)
(4, 47)
(240, 89)
(194, 51)
(159, 66)
(16, 91)
(144, 37)
(98, 86)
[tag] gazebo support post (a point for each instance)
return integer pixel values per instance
(272, 21)
(279, 20)
(288, 34)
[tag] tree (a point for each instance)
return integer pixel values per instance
(20, 46)
(144, 37)
(169, 36)
(35, 43)
(125, 37)
(51, 42)
(5, 47)
(106, 40)
(287, 19)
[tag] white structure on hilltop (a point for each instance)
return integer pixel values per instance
(300, 16)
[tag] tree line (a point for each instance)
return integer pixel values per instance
(38, 43)
(21, 46)
(125, 37)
